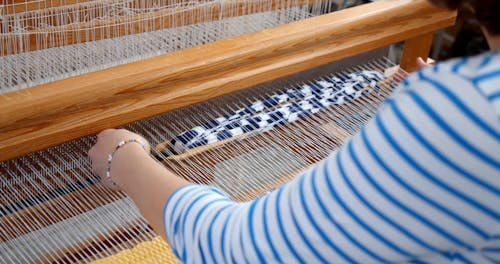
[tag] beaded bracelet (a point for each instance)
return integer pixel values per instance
(112, 153)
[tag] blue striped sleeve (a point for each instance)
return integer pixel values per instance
(418, 184)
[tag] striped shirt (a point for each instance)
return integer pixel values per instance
(420, 183)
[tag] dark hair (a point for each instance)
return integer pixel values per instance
(487, 12)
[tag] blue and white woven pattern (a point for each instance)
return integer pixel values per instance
(279, 109)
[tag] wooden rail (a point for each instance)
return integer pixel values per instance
(53, 113)
(12, 7)
(62, 15)
(19, 6)
(124, 25)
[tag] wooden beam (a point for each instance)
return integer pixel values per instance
(13, 7)
(70, 12)
(20, 6)
(86, 31)
(53, 113)
(419, 46)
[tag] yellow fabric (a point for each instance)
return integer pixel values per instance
(154, 251)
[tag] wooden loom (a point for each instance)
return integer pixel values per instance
(62, 111)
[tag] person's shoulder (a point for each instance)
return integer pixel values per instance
(464, 86)
(473, 66)
(468, 67)
(483, 72)
(474, 77)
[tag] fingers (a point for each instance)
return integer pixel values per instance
(105, 132)
(107, 141)
(421, 63)
(95, 150)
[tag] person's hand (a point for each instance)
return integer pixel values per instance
(107, 141)
(422, 64)
(400, 74)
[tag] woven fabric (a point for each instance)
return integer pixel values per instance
(279, 109)
(154, 251)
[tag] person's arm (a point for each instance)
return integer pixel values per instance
(147, 182)
(419, 181)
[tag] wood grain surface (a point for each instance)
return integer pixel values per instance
(80, 32)
(419, 46)
(50, 114)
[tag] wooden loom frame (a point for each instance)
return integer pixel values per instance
(53, 113)
(124, 25)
